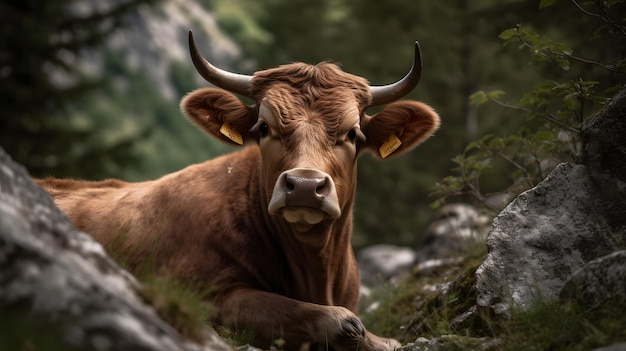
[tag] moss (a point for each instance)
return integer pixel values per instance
(437, 314)
(424, 304)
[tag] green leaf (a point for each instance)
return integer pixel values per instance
(436, 204)
(458, 159)
(478, 98)
(508, 34)
(473, 145)
(563, 63)
(546, 3)
(495, 94)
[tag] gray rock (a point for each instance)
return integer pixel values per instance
(600, 280)
(459, 227)
(154, 40)
(380, 263)
(54, 273)
(541, 238)
(446, 240)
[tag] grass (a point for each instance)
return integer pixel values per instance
(549, 325)
(424, 304)
(180, 305)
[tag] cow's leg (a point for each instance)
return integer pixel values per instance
(271, 316)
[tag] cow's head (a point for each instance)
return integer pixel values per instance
(310, 124)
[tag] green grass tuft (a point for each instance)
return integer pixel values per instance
(548, 325)
(181, 306)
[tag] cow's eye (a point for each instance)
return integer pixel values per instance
(352, 135)
(264, 129)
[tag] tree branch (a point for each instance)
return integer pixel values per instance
(603, 17)
(545, 116)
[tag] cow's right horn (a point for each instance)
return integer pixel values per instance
(233, 82)
(392, 92)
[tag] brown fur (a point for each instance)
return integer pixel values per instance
(209, 223)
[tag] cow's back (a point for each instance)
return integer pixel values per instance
(189, 222)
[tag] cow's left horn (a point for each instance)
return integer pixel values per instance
(233, 82)
(388, 93)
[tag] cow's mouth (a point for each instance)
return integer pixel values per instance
(303, 218)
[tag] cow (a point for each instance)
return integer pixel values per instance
(266, 229)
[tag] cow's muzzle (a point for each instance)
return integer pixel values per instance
(304, 197)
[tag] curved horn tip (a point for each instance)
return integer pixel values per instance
(233, 82)
(418, 52)
(190, 36)
(391, 92)
(192, 42)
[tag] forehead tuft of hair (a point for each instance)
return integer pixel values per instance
(323, 78)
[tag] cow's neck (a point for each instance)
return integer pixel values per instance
(318, 271)
(315, 271)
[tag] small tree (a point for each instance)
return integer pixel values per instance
(555, 109)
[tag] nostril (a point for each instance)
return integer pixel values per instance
(321, 187)
(325, 187)
(290, 182)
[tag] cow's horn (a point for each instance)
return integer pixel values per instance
(388, 93)
(233, 82)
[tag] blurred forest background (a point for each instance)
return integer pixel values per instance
(90, 89)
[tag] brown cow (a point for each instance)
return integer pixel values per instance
(267, 228)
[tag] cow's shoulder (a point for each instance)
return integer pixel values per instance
(229, 175)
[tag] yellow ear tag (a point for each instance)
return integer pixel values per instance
(231, 133)
(389, 146)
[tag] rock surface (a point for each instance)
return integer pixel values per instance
(154, 40)
(539, 240)
(576, 215)
(380, 263)
(459, 227)
(598, 281)
(52, 273)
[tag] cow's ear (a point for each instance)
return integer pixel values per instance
(399, 127)
(220, 114)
